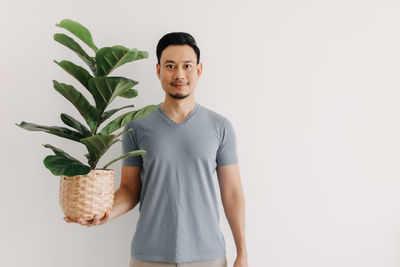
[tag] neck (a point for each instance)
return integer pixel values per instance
(178, 107)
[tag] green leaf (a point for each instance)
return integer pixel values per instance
(76, 71)
(129, 154)
(105, 89)
(88, 112)
(110, 58)
(59, 131)
(124, 119)
(74, 46)
(70, 121)
(79, 31)
(129, 93)
(111, 112)
(97, 145)
(64, 164)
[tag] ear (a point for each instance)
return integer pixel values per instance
(158, 70)
(199, 68)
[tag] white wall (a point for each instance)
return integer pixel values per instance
(311, 87)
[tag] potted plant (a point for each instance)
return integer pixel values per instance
(86, 190)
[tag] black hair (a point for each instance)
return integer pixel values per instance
(177, 38)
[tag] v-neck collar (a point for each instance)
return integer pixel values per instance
(170, 121)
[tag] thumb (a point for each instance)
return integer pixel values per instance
(107, 215)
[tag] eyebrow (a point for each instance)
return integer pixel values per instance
(171, 61)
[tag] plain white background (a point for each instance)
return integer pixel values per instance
(311, 87)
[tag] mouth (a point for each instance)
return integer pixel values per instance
(179, 85)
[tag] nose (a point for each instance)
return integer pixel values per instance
(179, 73)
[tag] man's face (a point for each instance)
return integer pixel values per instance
(178, 70)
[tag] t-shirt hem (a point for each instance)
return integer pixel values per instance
(173, 259)
(131, 164)
(226, 163)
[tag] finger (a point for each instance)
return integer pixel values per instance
(96, 220)
(105, 216)
(69, 220)
(82, 221)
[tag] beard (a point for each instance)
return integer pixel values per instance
(178, 96)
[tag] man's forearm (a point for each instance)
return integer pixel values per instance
(124, 201)
(234, 206)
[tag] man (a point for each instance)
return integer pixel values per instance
(173, 182)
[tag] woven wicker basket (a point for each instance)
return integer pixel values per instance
(84, 196)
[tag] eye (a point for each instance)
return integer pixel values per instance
(188, 66)
(169, 66)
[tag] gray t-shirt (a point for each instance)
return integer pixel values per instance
(179, 215)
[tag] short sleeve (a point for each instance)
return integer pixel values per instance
(227, 151)
(129, 144)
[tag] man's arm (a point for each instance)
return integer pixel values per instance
(234, 204)
(128, 194)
